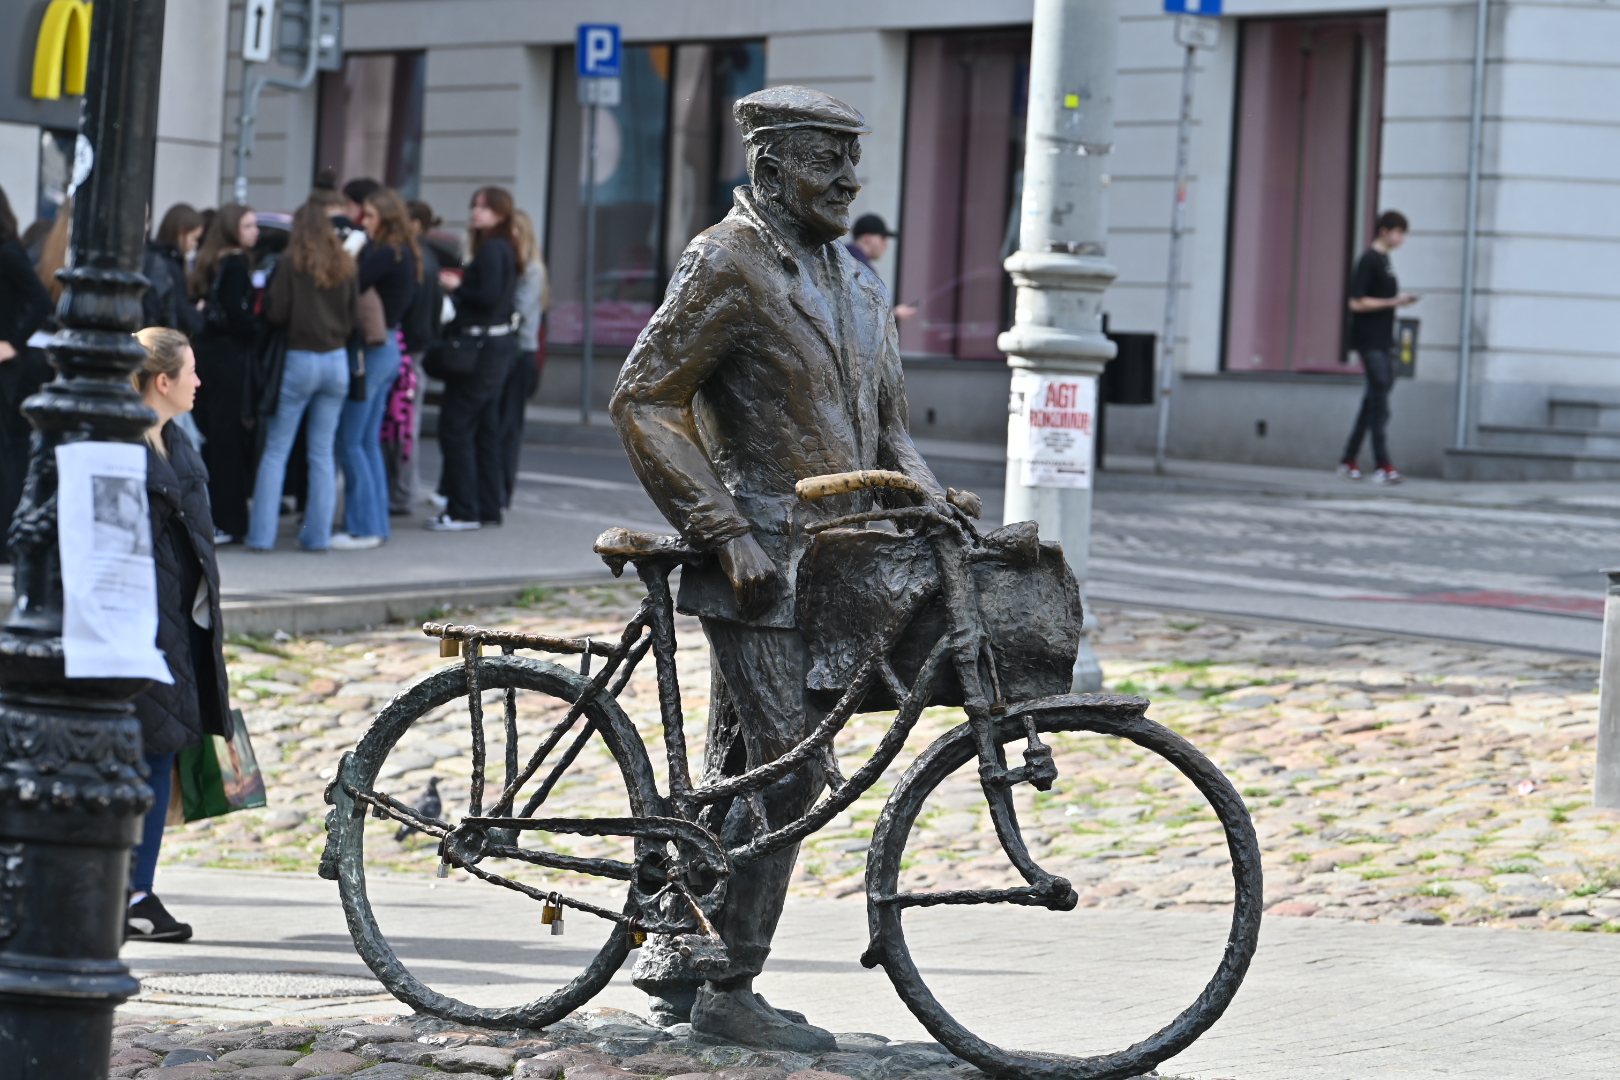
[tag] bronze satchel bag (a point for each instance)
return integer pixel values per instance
(852, 583)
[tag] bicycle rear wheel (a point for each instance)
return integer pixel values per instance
(359, 772)
(1104, 714)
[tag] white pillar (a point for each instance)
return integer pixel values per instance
(1061, 268)
(1606, 776)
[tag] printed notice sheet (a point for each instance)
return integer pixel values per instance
(1051, 425)
(109, 583)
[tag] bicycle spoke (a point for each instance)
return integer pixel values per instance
(511, 726)
(475, 708)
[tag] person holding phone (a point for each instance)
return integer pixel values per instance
(1374, 296)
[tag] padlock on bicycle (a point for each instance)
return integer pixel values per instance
(552, 915)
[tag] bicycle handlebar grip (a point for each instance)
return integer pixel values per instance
(819, 487)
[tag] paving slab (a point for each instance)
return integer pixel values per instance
(1323, 1001)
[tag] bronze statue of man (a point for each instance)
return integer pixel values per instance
(773, 358)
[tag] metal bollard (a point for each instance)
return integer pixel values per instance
(1606, 775)
(72, 793)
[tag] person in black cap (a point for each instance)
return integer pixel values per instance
(784, 345)
(869, 240)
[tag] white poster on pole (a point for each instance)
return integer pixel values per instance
(109, 582)
(1050, 427)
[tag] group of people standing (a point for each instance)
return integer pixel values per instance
(249, 352)
(311, 357)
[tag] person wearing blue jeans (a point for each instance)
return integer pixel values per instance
(359, 448)
(318, 382)
(314, 294)
(390, 268)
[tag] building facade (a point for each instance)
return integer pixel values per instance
(42, 43)
(1311, 116)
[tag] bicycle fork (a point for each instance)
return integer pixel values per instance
(975, 664)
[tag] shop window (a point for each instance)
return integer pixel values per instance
(371, 119)
(668, 157)
(965, 115)
(1305, 188)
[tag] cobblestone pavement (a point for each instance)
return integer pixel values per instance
(595, 1044)
(1390, 780)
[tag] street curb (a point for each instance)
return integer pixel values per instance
(306, 613)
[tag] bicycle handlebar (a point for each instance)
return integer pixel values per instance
(818, 487)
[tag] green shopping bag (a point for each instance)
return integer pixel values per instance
(219, 775)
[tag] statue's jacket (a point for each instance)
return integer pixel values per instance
(766, 364)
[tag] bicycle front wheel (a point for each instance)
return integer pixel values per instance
(1103, 714)
(354, 791)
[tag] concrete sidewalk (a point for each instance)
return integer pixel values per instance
(1324, 1000)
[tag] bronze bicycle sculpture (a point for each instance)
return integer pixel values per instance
(936, 647)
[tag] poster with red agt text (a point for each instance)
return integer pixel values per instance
(1050, 428)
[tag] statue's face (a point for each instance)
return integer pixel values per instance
(815, 179)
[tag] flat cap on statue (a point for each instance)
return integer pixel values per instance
(782, 107)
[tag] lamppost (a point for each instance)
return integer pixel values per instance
(71, 790)
(1056, 346)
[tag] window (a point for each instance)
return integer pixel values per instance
(667, 158)
(1305, 188)
(965, 114)
(371, 119)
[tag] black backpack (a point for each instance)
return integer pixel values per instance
(421, 321)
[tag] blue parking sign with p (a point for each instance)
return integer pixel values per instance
(1192, 7)
(598, 52)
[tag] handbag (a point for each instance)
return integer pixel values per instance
(269, 367)
(452, 357)
(373, 320)
(219, 775)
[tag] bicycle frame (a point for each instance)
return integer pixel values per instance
(678, 879)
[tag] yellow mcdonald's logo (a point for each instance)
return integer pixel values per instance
(62, 54)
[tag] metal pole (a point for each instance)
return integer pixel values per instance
(248, 118)
(1606, 779)
(587, 356)
(1061, 268)
(72, 797)
(1476, 139)
(1172, 296)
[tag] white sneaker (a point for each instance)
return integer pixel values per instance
(446, 523)
(440, 503)
(345, 542)
(1387, 474)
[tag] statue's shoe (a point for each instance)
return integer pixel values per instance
(741, 1017)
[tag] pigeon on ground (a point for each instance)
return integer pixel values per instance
(430, 807)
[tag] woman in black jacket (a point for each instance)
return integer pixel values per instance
(24, 307)
(190, 628)
(470, 416)
(223, 278)
(166, 301)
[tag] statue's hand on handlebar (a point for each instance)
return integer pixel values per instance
(751, 572)
(965, 501)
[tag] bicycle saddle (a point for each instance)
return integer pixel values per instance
(618, 546)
